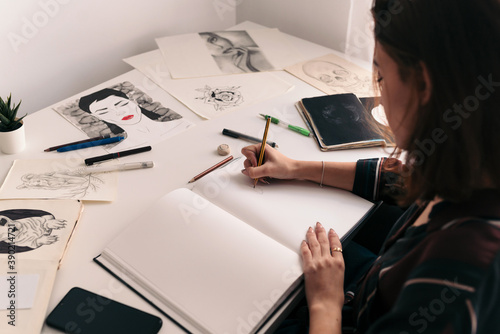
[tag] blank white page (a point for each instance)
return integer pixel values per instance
(206, 264)
(282, 209)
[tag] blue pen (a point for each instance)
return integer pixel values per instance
(90, 144)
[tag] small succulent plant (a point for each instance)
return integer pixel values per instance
(8, 113)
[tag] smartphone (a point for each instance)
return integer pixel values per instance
(81, 311)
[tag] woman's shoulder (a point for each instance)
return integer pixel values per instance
(469, 241)
(468, 232)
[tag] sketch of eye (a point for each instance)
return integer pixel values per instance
(325, 78)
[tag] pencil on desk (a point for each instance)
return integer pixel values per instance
(53, 148)
(114, 168)
(240, 135)
(263, 147)
(90, 144)
(205, 172)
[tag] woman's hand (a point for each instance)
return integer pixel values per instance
(324, 279)
(241, 58)
(275, 165)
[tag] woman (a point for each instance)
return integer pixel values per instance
(438, 71)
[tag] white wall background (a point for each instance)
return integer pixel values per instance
(324, 22)
(342, 25)
(53, 49)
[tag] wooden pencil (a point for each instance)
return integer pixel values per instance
(263, 147)
(205, 172)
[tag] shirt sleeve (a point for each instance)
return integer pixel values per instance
(378, 179)
(453, 290)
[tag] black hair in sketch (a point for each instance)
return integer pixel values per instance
(30, 228)
(87, 100)
(235, 52)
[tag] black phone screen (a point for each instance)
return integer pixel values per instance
(81, 311)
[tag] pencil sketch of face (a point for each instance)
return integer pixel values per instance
(338, 116)
(117, 110)
(330, 73)
(235, 51)
(218, 45)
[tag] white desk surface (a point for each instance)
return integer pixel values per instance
(176, 160)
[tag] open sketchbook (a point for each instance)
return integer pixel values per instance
(34, 236)
(223, 256)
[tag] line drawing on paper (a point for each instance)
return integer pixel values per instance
(70, 184)
(121, 109)
(221, 97)
(338, 78)
(27, 229)
(235, 52)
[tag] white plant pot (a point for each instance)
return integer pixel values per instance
(13, 141)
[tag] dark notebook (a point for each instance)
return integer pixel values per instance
(341, 121)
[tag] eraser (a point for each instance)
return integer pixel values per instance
(223, 149)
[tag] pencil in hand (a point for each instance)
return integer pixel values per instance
(262, 147)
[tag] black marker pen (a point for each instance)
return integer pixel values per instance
(235, 134)
(91, 161)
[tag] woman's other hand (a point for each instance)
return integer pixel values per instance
(323, 265)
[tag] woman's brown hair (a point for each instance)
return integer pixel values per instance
(454, 148)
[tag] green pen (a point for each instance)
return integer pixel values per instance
(291, 127)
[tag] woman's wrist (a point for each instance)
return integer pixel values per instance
(325, 318)
(335, 174)
(307, 170)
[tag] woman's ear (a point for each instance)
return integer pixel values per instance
(424, 84)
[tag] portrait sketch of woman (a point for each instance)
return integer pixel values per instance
(235, 52)
(123, 110)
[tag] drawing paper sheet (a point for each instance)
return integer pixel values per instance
(29, 319)
(211, 97)
(282, 209)
(229, 275)
(57, 179)
(122, 109)
(227, 52)
(26, 286)
(333, 74)
(41, 231)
